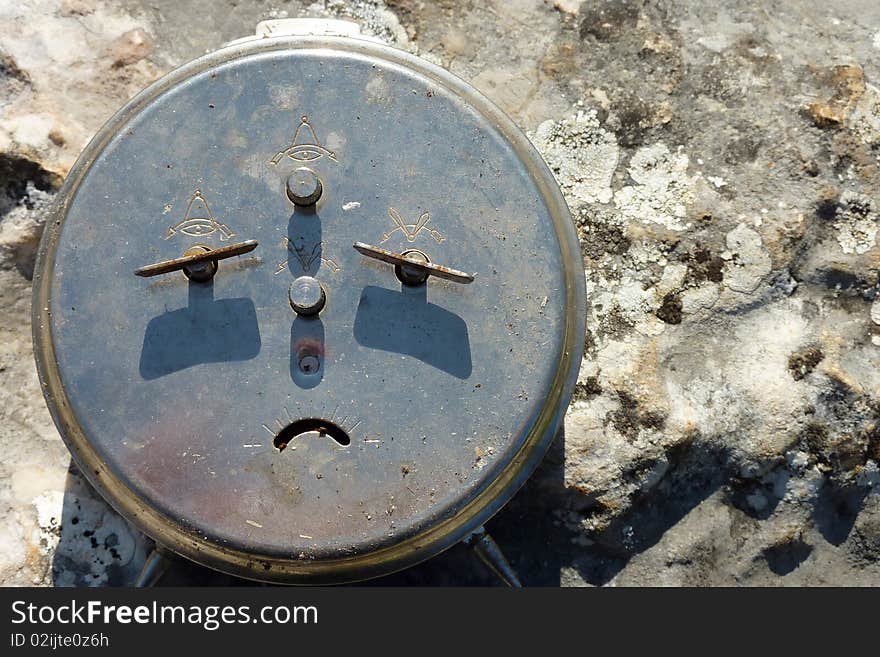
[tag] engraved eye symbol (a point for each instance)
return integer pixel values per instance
(305, 146)
(306, 154)
(198, 220)
(197, 229)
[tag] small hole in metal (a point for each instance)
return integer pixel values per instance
(310, 425)
(309, 364)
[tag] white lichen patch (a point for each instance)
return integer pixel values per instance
(94, 540)
(663, 189)
(581, 154)
(644, 253)
(48, 507)
(758, 356)
(747, 262)
(869, 477)
(702, 297)
(864, 119)
(625, 304)
(703, 401)
(741, 387)
(875, 311)
(629, 300)
(373, 15)
(857, 223)
(672, 278)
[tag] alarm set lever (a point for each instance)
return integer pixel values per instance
(198, 263)
(413, 267)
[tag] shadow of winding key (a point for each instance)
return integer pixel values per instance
(205, 331)
(406, 323)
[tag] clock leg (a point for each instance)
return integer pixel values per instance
(154, 568)
(490, 554)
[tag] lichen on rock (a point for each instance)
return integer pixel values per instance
(857, 222)
(581, 154)
(721, 168)
(662, 188)
(747, 263)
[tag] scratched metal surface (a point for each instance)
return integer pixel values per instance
(180, 386)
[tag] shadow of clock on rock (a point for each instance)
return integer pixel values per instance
(206, 331)
(405, 323)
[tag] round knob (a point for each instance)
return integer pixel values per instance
(412, 274)
(200, 271)
(306, 296)
(304, 188)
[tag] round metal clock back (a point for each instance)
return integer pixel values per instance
(306, 411)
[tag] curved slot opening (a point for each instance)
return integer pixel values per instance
(310, 425)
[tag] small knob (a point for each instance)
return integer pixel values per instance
(200, 271)
(415, 273)
(304, 188)
(306, 296)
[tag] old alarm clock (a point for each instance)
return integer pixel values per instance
(309, 309)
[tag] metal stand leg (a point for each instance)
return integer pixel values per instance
(154, 567)
(490, 554)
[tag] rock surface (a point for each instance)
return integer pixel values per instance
(723, 167)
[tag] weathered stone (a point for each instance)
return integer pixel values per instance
(131, 47)
(721, 166)
(77, 7)
(581, 154)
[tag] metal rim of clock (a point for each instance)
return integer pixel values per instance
(435, 539)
